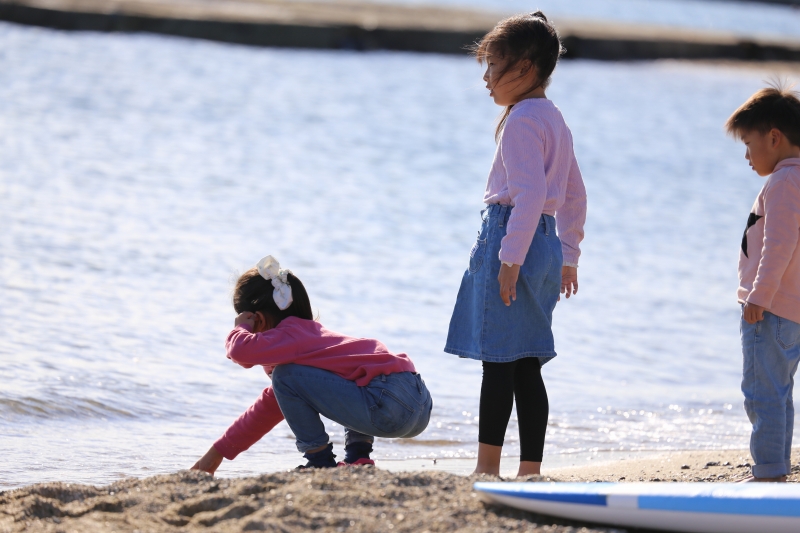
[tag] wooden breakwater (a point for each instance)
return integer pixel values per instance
(351, 24)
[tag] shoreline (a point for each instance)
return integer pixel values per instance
(611, 466)
(552, 464)
(363, 25)
(354, 499)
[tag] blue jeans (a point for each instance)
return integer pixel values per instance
(391, 406)
(771, 350)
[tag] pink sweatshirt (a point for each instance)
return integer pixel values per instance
(769, 261)
(535, 171)
(303, 342)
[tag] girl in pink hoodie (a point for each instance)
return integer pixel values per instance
(355, 382)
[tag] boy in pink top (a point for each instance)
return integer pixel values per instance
(769, 277)
(355, 382)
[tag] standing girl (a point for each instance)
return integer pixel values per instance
(355, 382)
(528, 247)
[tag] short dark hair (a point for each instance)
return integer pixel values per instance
(253, 293)
(776, 106)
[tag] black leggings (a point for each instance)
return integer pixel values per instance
(502, 382)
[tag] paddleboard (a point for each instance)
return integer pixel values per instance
(692, 507)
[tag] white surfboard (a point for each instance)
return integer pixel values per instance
(693, 507)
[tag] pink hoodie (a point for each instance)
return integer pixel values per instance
(769, 261)
(302, 342)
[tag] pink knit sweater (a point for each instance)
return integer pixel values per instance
(769, 261)
(303, 342)
(535, 171)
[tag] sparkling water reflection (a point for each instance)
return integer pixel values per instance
(138, 174)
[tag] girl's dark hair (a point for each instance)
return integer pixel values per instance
(776, 106)
(253, 293)
(519, 38)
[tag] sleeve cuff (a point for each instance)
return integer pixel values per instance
(569, 264)
(505, 258)
(757, 299)
(225, 449)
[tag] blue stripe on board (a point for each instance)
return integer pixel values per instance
(544, 495)
(585, 499)
(730, 505)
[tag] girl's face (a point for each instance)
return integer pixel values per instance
(507, 86)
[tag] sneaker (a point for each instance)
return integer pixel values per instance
(309, 466)
(324, 458)
(356, 452)
(358, 462)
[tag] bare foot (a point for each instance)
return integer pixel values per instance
(753, 479)
(529, 468)
(488, 459)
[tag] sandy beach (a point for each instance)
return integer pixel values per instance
(360, 499)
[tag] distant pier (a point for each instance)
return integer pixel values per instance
(354, 25)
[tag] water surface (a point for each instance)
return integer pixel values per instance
(139, 174)
(740, 17)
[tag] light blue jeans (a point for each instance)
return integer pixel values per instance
(771, 350)
(391, 406)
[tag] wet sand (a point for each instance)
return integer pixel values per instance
(361, 499)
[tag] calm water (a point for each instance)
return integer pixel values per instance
(746, 18)
(139, 174)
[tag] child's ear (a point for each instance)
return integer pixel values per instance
(525, 66)
(258, 321)
(775, 137)
(262, 323)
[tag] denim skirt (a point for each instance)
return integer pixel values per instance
(482, 326)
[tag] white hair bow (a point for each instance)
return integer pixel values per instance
(270, 269)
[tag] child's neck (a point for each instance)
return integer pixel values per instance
(789, 151)
(536, 93)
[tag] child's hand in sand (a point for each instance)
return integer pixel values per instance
(569, 281)
(245, 318)
(209, 462)
(753, 313)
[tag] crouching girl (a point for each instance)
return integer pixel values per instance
(357, 383)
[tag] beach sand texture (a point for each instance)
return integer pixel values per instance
(342, 499)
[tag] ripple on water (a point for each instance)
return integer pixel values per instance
(139, 174)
